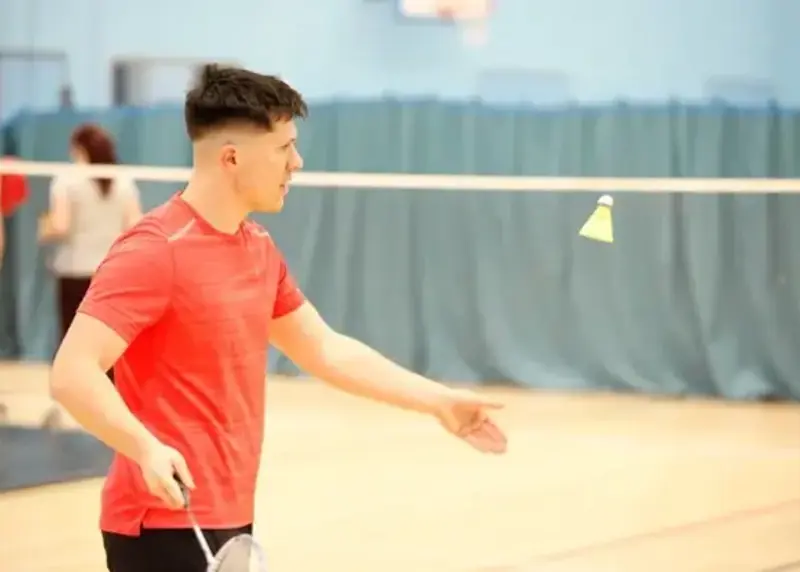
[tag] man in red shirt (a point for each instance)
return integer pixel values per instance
(184, 307)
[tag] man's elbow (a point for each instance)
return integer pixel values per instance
(59, 380)
(63, 377)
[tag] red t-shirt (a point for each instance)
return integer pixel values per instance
(195, 306)
(13, 192)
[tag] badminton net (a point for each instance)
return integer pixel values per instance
(462, 183)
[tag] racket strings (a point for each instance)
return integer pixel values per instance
(240, 554)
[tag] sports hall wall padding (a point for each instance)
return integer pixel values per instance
(699, 294)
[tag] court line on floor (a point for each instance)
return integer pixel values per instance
(785, 567)
(544, 560)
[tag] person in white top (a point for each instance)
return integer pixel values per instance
(85, 218)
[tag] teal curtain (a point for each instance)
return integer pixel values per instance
(698, 295)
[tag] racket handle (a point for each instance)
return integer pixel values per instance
(184, 490)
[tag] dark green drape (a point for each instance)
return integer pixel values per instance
(699, 293)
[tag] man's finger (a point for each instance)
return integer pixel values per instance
(169, 492)
(491, 429)
(177, 498)
(493, 444)
(182, 470)
(174, 492)
(485, 443)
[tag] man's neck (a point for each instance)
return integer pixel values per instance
(211, 201)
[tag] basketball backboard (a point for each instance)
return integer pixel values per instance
(470, 15)
(446, 9)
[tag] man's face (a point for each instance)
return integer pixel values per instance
(261, 166)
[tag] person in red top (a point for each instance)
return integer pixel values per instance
(184, 307)
(13, 194)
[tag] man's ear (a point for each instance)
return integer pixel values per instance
(228, 157)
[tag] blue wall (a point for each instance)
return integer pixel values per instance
(639, 49)
(786, 55)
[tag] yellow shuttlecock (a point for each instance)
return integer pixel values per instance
(599, 225)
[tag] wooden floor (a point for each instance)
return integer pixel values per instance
(590, 484)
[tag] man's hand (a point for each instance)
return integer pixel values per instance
(160, 464)
(465, 415)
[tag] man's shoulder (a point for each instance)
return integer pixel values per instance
(161, 225)
(257, 231)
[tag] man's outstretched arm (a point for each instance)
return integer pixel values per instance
(304, 337)
(350, 364)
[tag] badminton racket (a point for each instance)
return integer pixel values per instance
(242, 553)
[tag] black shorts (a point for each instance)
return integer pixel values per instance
(163, 550)
(71, 291)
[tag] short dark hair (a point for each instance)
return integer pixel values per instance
(228, 95)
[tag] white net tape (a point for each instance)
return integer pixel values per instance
(401, 181)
